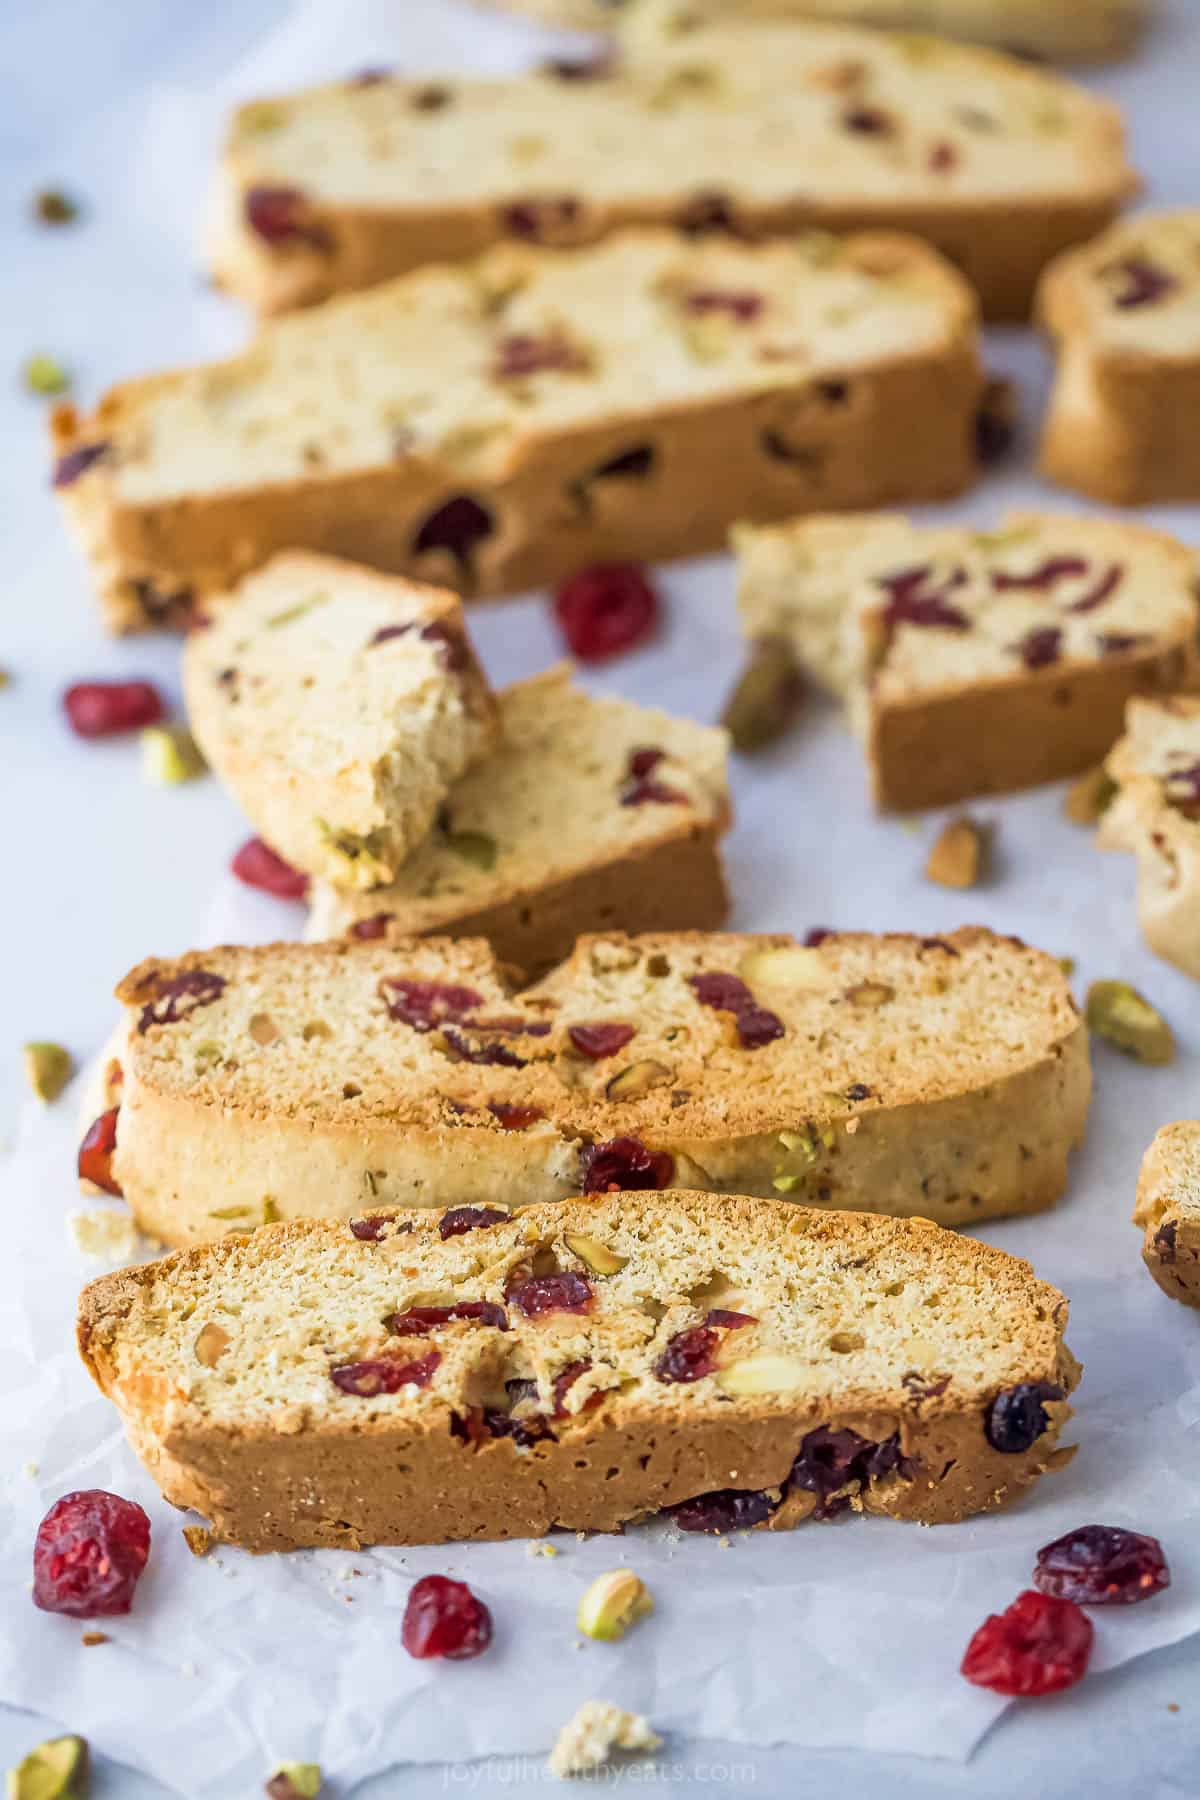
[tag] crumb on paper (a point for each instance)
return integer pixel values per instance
(597, 1729)
(105, 1232)
(30, 1469)
(91, 1638)
(537, 1548)
(199, 1539)
(1172, 1706)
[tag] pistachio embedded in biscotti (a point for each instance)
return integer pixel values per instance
(639, 1078)
(766, 696)
(960, 856)
(612, 1604)
(597, 1256)
(211, 1345)
(59, 1769)
(870, 994)
(786, 965)
(1126, 1019)
(764, 1372)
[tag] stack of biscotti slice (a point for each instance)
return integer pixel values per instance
(976, 662)
(946, 1077)
(458, 1373)
(1066, 30)
(1168, 1210)
(1124, 314)
(500, 424)
(591, 814)
(754, 127)
(1155, 813)
(339, 707)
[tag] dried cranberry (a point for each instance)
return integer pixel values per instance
(180, 996)
(565, 1380)
(1181, 789)
(373, 927)
(99, 709)
(870, 121)
(1017, 1416)
(829, 1460)
(1101, 1565)
(524, 354)
(425, 1004)
(511, 1117)
(1040, 1645)
(530, 1428)
(705, 212)
(537, 220)
(606, 610)
(444, 1618)
(744, 307)
(1143, 282)
(1096, 596)
(96, 1152)
(484, 1054)
(634, 463)
(816, 937)
(257, 865)
(640, 788)
(1040, 647)
(728, 993)
(369, 1230)
(469, 1218)
(728, 1509)
(90, 1549)
(688, 1355)
(278, 215)
(600, 1040)
(458, 526)
(624, 1163)
(418, 1321)
(858, 1091)
(588, 68)
(74, 463)
(910, 602)
(384, 1374)
(1116, 643)
(943, 157)
(728, 1321)
(1047, 574)
(1165, 1241)
(563, 1292)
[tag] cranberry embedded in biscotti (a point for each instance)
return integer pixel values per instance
(728, 1509)
(756, 1025)
(74, 463)
(375, 926)
(564, 1291)
(565, 1380)
(511, 1117)
(744, 306)
(688, 1355)
(279, 215)
(1138, 281)
(444, 1618)
(1017, 1417)
(257, 865)
(1040, 1645)
(624, 1162)
(469, 1218)
(1040, 647)
(911, 600)
(426, 1004)
(542, 220)
(96, 1152)
(522, 355)
(419, 1321)
(606, 610)
(458, 526)
(179, 996)
(384, 1375)
(603, 1039)
(88, 1555)
(99, 709)
(1102, 1565)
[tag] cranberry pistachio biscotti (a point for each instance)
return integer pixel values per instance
(1155, 813)
(946, 1077)
(758, 127)
(591, 814)
(339, 707)
(421, 1377)
(1168, 1210)
(1124, 316)
(976, 662)
(501, 424)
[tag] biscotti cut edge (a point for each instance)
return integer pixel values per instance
(1163, 837)
(1168, 1210)
(443, 1460)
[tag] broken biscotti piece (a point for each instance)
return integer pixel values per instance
(501, 424)
(456, 1373)
(756, 128)
(1155, 813)
(1124, 314)
(592, 814)
(945, 1077)
(1168, 1210)
(338, 706)
(976, 662)
(1067, 30)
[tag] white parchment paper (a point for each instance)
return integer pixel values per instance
(847, 1634)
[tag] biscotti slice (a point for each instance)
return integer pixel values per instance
(592, 814)
(501, 424)
(946, 1077)
(1168, 1210)
(976, 662)
(339, 707)
(459, 1373)
(1065, 30)
(1155, 813)
(1124, 315)
(758, 127)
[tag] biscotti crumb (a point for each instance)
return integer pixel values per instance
(541, 1549)
(91, 1638)
(588, 1740)
(105, 1232)
(199, 1539)
(960, 857)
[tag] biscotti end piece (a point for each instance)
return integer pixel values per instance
(591, 814)
(339, 707)
(1168, 1210)
(976, 662)
(946, 1077)
(501, 424)
(423, 1377)
(1155, 813)
(1124, 316)
(761, 127)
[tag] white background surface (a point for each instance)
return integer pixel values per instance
(102, 871)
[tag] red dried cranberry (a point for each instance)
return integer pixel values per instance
(459, 525)
(1047, 574)
(600, 1040)
(688, 1355)
(99, 709)
(728, 1509)
(606, 610)
(425, 1004)
(744, 307)
(169, 605)
(858, 1091)
(1017, 1416)
(943, 157)
(624, 1163)
(1040, 1645)
(523, 354)
(639, 787)
(1102, 1565)
(90, 1549)
(537, 220)
(511, 1117)
(828, 1460)
(384, 1374)
(565, 1380)
(278, 215)
(1181, 789)
(909, 602)
(369, 1230)
(418, 1321)
(469, 1218)
(74, 463)
(728, 1321)
(1040, 647)
(181, 996)
(257, 865)
(816, 937)
(1142, 281)
(1116, 643)
(870, 121)
(1165, 1241)
(705, 212)
(96, 1152)
(485, 1054)
(728, 993)
(563, 1292)
(444, 1618)
(1096, 596)
(373, 927)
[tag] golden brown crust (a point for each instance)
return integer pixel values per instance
(1168, 1210)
